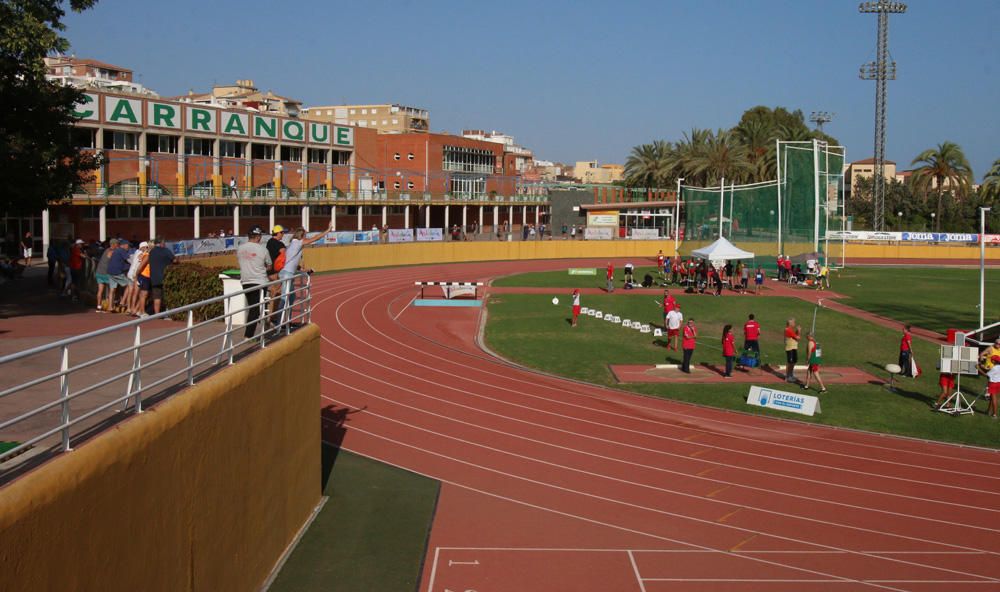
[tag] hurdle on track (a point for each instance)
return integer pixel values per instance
(474, 285)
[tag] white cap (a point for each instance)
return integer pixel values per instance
(143, 245)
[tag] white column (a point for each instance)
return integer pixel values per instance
(510, 220)
(406, 219)
(447, 222)
(538, 214)
(305, 218)
(102, 223)
(479, 228)
(360, 209)
(236, 221)
(385, 215)
(496, 218)
(152, 221)
(46, 234)
(270, 218)
(465, 217)
(197, 221)
(333, 216)
(524, 216)
(427, 216)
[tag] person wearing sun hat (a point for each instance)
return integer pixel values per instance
(254, 262)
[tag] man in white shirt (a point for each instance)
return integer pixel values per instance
(674, 321)
(254, 261)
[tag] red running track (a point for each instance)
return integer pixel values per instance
(553, 485)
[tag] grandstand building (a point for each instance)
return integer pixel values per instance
(187, 168)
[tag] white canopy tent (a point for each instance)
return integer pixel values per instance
(721, 250)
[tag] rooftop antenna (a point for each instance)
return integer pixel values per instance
(881, 70)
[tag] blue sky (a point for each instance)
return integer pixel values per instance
(581, 80)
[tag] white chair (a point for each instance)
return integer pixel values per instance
(893, 370)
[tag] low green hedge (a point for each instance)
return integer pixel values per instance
(188, 283)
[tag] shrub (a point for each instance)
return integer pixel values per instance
(188, 283)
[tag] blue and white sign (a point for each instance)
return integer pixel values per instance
(941, 237)
(783, 400)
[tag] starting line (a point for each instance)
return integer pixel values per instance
(446, 302)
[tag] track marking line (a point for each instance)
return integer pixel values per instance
(631, 463)
(635, 569)
(724, 518)
(659, 511)
(740, 544)
(434, 567)
(717, 491)
(402, 310)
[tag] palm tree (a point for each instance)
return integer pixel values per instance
(642, 166)
(721, 156)
(941, 165)
(758, 136)
(990, 189)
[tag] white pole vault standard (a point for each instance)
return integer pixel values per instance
(722, 202)
(815, 195)
(982, 267)
(677, 218)
(777, 147)
(732, 198)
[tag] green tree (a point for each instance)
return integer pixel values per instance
(649, 165)
(39, 163)
(944, 165)
(989, 191)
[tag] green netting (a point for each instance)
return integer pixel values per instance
(751, 216)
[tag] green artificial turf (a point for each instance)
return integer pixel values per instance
(562, 279)
(371, 535)
(5, 446)
(529, 329)
(932, 298)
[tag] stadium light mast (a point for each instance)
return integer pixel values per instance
(881, 70)
(821, 117)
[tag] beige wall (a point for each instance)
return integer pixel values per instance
(202, 492)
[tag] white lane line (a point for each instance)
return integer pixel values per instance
(402, 310)
(711, 480)
(635, 569)
(434, 567)
(797, 430)
(736, 552)
(507, 377)
(658, 510)
(597, 522)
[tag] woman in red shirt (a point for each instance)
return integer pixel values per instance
(728, 349)
(687, 344)
(905, 346)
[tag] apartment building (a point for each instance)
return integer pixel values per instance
(386, 118)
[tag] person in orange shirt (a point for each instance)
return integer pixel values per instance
(792, 335)
(142, 278)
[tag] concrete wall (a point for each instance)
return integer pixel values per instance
(202, 492)
(561, 204)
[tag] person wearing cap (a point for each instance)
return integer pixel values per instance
(993, 389)
(254, 262)
(131, 299)
(275, 247)
(142, 276)
(986, 358)
(154, 268)
(103, 279)
(117, 268)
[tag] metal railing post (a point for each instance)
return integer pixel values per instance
(190, 347)
(64, 393)
(135, 378)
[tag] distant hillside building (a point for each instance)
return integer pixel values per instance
(244, 95)
(92, 74)
(386, 118)
(516, 158)
(592, 172)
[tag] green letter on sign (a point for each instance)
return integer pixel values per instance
(293, 130)
(87, 113)
(265, 127)
(320, 133)
(234, 125)
(200, 120)
(123, 112)
(163, 115)
(344, 136)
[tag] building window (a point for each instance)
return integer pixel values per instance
(409, 156)
(329, 112)
(198, 146)
(316, 155)
(164, 144)
(362, 123)
(409, 184)
(374, 111)
(395, 156)
(291, 154)
(262, 151)
(84, 137)
(395, 185)
(121, 140)
(230, 149)
(395, 121)
(341, 157)
(385, 122)
(352, 111)
(364, 111)
(373, 123)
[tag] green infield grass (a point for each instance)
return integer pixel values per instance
(933, 298)
(371, 534)
(532, 331)
(562, 279)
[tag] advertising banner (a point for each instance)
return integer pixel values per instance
(783, 400)
(400, 235)
(430, 234)
(602, 219)
(991, 239)
(864, 235)
(645, 233)
(208, 245)
(582, 271)
(599, 233)
(941, 237)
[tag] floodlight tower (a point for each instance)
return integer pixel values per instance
(881, 70)
(821, 117)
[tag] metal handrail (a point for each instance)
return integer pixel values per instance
(293, 308)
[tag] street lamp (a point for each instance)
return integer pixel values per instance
(900, 215)
(933, 215)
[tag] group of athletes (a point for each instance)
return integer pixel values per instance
(701, 276)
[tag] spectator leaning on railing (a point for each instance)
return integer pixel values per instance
(293, 256)
(254, 261)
